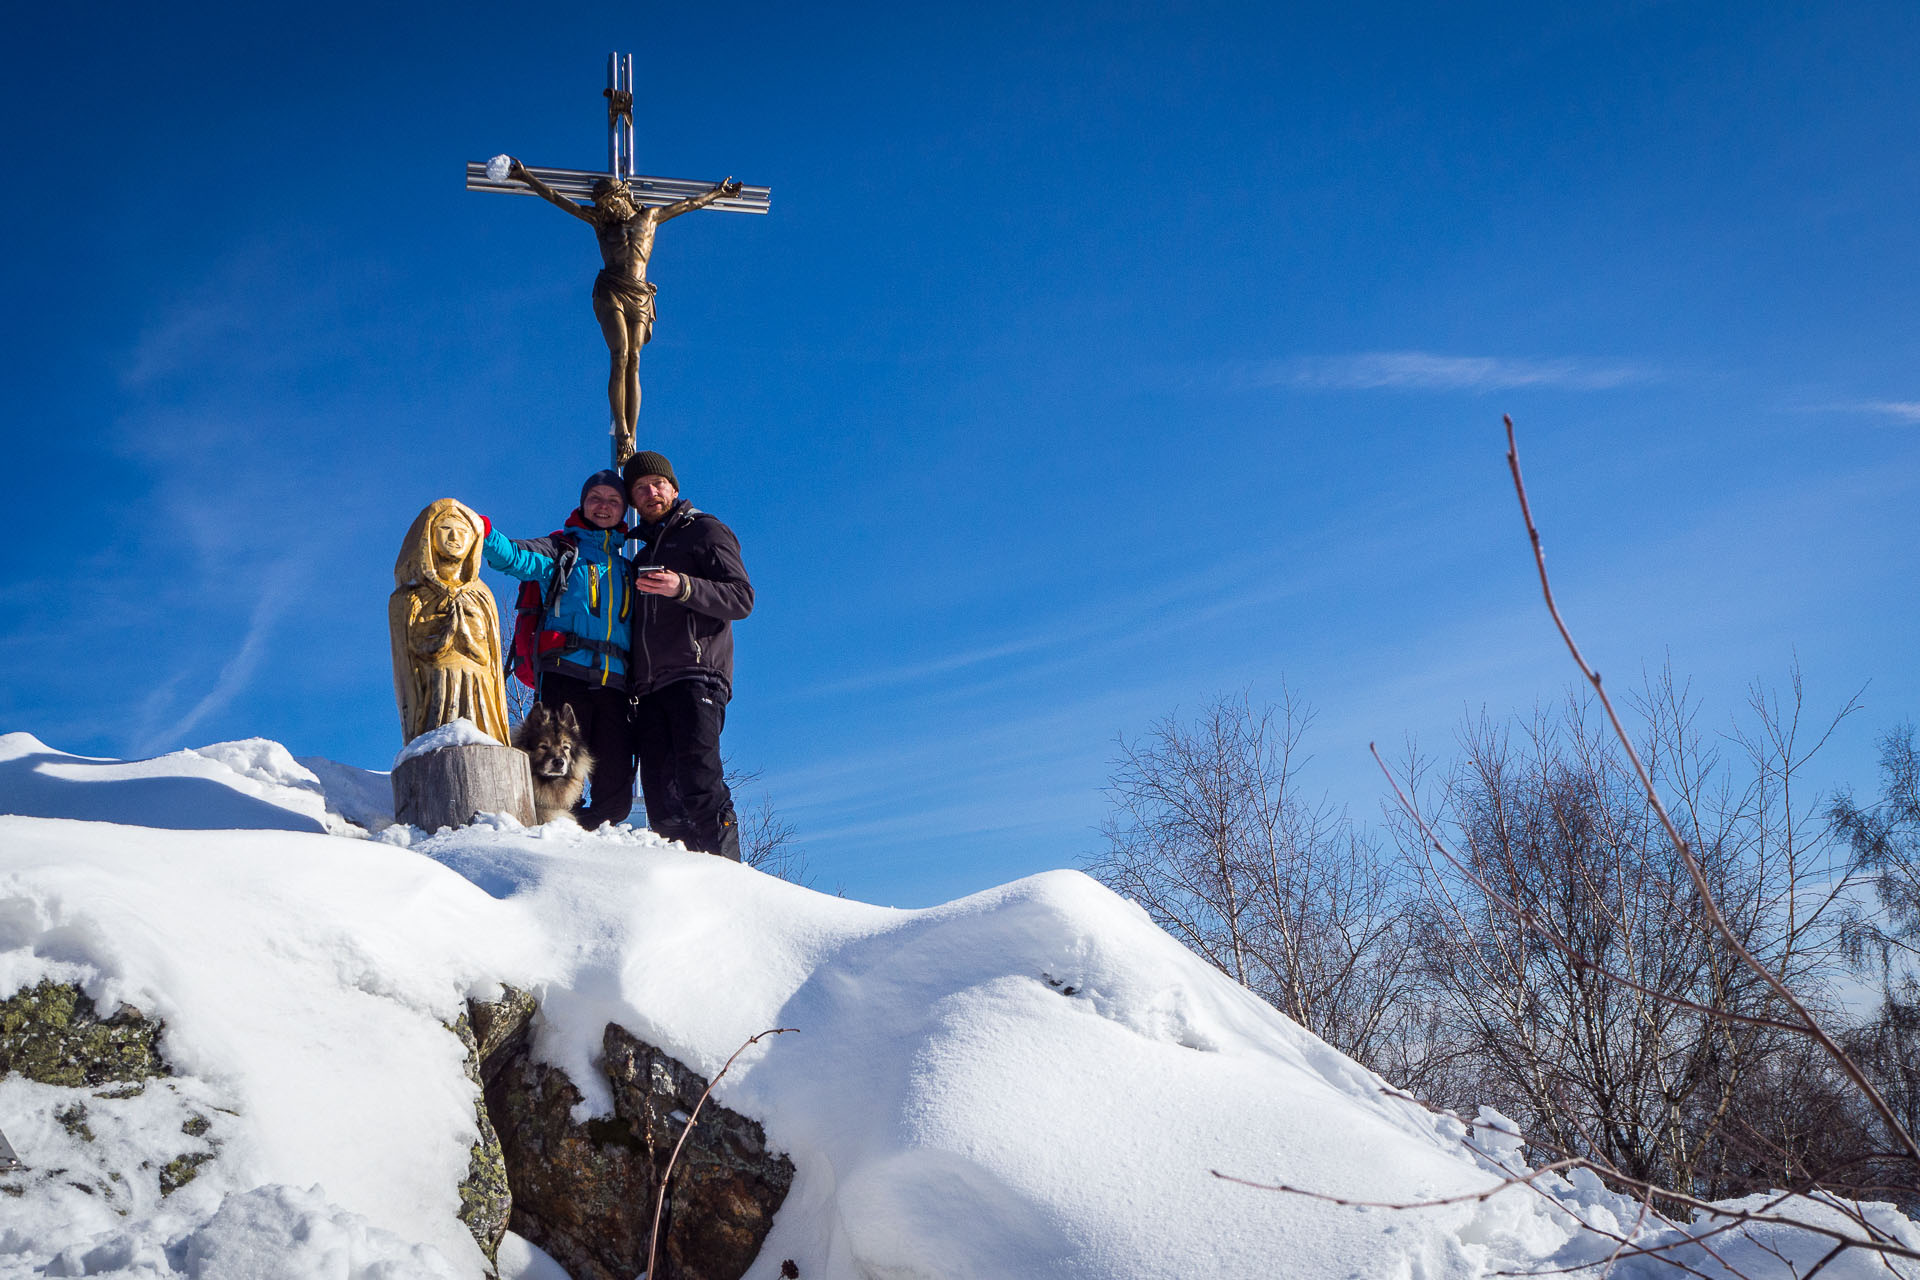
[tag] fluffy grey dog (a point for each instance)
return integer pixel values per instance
(559, 760)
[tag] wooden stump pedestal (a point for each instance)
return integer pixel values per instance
(446, 788)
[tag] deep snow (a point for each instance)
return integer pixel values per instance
(1033, 1081)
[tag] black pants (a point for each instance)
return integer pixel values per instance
(676, 734)
(603, 713)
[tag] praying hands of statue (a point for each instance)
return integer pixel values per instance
(455, 629)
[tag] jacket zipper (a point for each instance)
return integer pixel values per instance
(606, 658)
(658, 542)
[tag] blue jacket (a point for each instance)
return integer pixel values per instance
(595, 608)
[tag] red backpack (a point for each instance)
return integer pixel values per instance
(531, 638)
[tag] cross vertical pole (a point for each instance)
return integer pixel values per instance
(620, 115)
(620, 166)
(628, 59)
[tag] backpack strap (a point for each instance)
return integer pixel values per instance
(563, 561)
(606, 648)
(534, 605)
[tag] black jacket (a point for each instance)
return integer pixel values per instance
(690, 636)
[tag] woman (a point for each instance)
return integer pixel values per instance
(581, 650)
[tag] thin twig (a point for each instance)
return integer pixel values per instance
(660, 1201)
(1473, 1197)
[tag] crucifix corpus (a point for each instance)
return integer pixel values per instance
(624, 210)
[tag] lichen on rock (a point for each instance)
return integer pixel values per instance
(181, 1170)
(486, 1201)
(73, 1119)
(53, 1034)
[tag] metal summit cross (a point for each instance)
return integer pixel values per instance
(624, 210)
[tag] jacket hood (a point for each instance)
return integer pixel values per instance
(580, 522)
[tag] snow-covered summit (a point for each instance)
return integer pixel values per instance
(1033, 1081)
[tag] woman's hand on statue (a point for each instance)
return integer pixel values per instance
(661, 582)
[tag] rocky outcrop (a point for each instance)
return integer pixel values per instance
(53, 1034)
(586, 1192)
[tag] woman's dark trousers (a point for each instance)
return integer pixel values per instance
(602, 711)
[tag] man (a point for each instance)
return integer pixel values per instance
(694, 590)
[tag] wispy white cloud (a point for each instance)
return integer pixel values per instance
(1904, 410)
(915, 672)
(240, 321)
(235, 674)
(1428, 371)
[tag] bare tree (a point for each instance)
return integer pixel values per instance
(1885, 840)
(1570, 1025)
(1839, 1182)
(1207, 830)
(768, 842)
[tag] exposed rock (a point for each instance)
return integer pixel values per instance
(52, 1033)
(178, 1172)
(486, 1200)
(74, 1120)
(499, 1025)
(726, 1185)
(585, 1192)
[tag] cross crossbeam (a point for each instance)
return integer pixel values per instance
(577, 184)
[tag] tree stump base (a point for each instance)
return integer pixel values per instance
(446, 788)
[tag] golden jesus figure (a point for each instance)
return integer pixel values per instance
(622, 295)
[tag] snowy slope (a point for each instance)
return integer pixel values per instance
(1030, 1082)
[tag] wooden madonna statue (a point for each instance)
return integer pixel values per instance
(445, 627)
(445, 633)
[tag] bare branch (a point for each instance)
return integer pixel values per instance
(1809, 1025)
(660, 1201)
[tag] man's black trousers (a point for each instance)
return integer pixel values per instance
(603, 713)
(676, 734)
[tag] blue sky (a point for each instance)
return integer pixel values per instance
(1094, 361)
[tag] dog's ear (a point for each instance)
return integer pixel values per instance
(536, 715)
(567, 720)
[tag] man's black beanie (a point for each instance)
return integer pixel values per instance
(647, 463)
(607, 477)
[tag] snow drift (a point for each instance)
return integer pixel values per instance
(1033, 1081)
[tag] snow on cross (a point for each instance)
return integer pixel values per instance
(577, 184)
